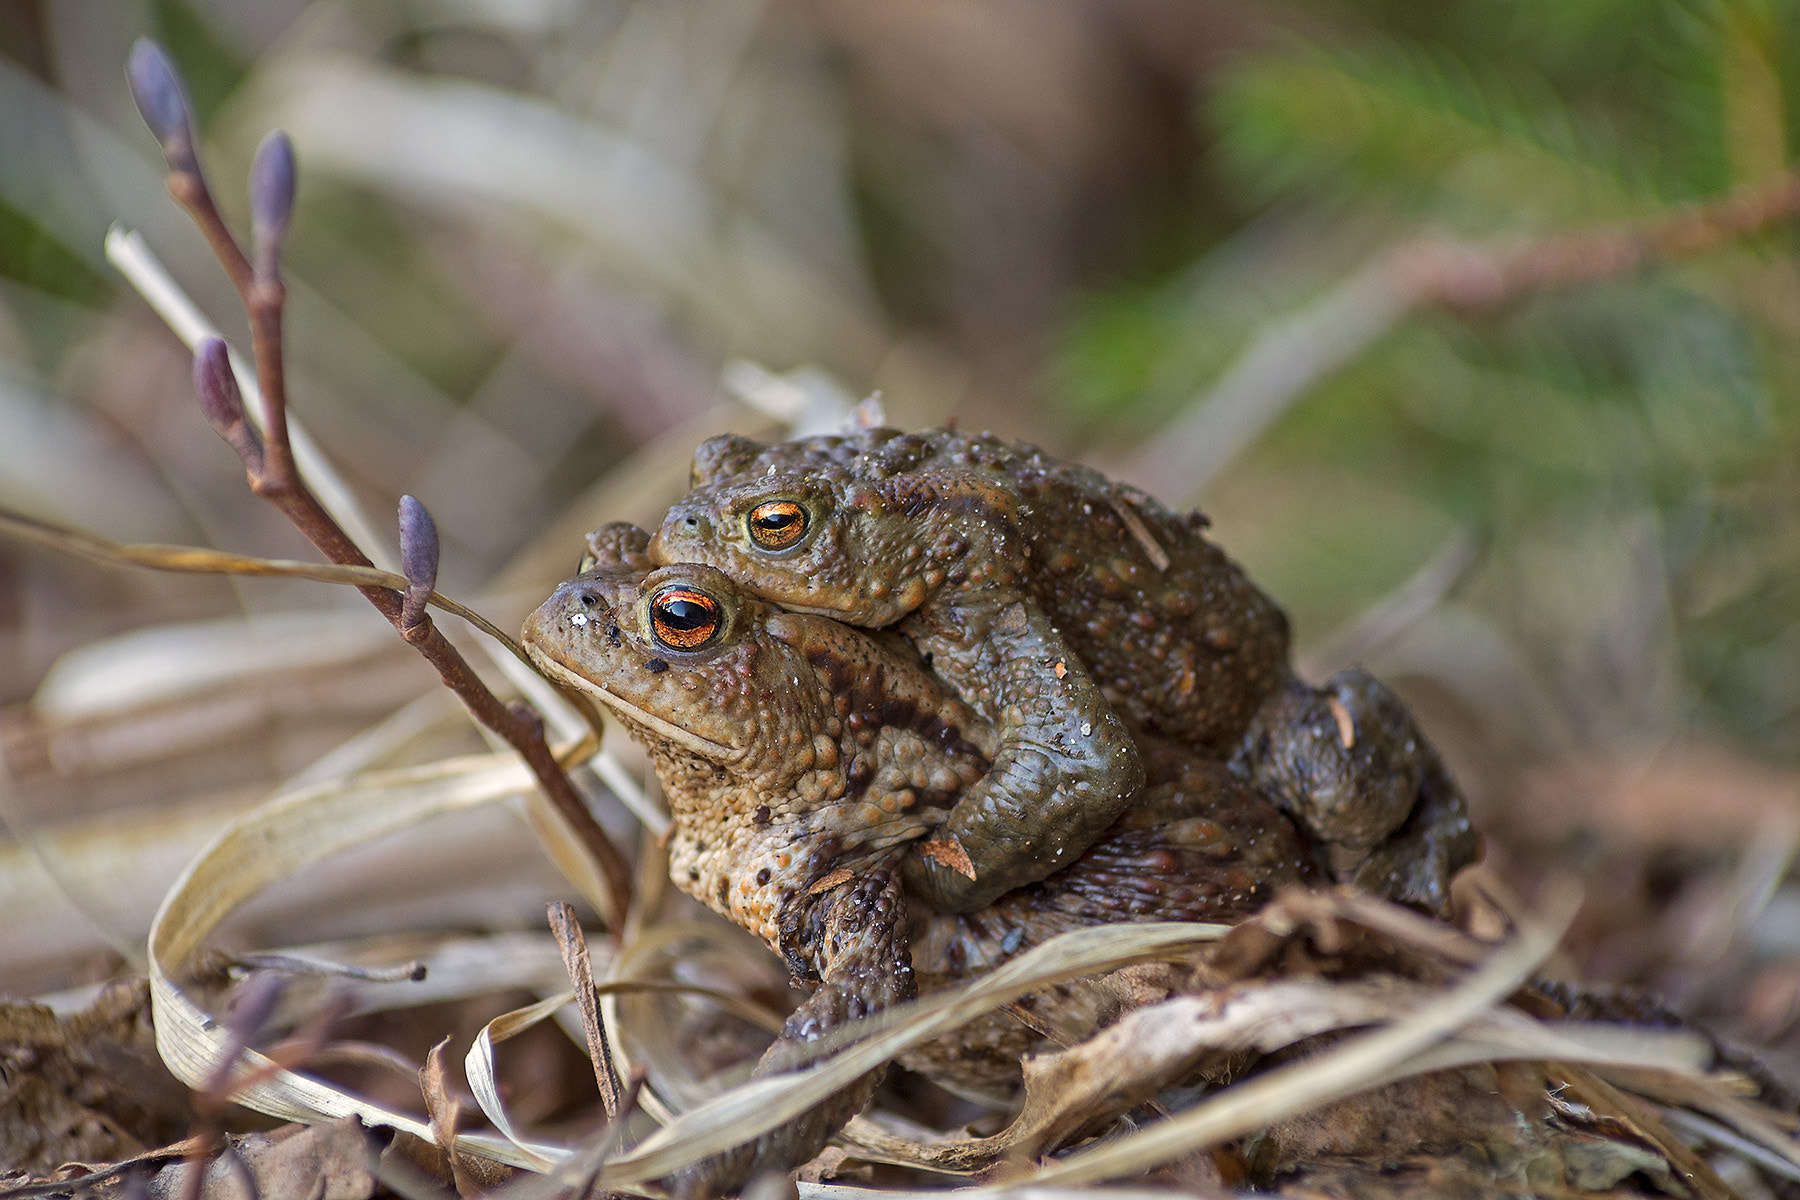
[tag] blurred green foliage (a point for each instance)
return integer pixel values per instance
(934, 192)
(30, 255)
(1671, 392)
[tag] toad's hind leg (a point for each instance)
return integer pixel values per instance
(1349, 763)
(1066, 767)
(855, 936)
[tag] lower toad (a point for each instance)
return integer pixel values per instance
(803, 758)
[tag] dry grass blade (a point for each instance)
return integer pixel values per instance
(1338, 1072)
(197, 560)
(1082, 1089)
(1720, 1135)
(277, 840)
(758, 1106)
(1608, 1101)
(479, 1068)
(1761, 1125)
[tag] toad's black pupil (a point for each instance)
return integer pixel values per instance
(776, 522)
(686, 614)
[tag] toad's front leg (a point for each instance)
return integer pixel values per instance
(851, 940)
(1066, 768)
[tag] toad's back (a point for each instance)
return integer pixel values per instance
(1180, 641)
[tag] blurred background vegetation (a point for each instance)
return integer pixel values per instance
(544, 246)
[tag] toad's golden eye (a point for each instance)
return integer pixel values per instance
(777, 524)
(682, 618)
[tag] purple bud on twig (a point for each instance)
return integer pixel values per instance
(248, 1012)
(253, 1003)
(164, 106)
(216, 386)
(272, 180)
(418, 560)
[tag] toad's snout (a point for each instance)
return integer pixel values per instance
(574, 608)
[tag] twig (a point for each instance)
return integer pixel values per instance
(132, 258)
(268, 459)
(581, 974)
(1291, 355)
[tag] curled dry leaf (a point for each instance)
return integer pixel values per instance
(281, 838)
(480, 1067)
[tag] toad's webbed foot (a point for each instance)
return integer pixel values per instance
(1415, 864)
(856, 933)
(1349, 763)
(1066, 768)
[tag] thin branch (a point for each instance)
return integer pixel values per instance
(269, 464)
(163, 102)
(573, 944)
(128, 253)
(1293, 354)
(272, 186)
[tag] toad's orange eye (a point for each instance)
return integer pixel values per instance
(682, 618)
(777, 524)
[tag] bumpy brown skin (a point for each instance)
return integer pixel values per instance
(802, 757)
(998, 561)
(1069, 610)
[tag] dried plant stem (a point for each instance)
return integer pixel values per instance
(188, 187)
(573, 944)
(269, 460)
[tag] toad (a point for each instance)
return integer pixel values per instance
(801, 759)
(1072, 612)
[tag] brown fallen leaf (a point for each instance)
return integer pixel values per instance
(334, 1161)
(87, 1087)
(948, 852)
(446, 1114)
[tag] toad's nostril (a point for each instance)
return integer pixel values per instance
(692, 522)
(587, 598)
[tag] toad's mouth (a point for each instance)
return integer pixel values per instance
(704, 747)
